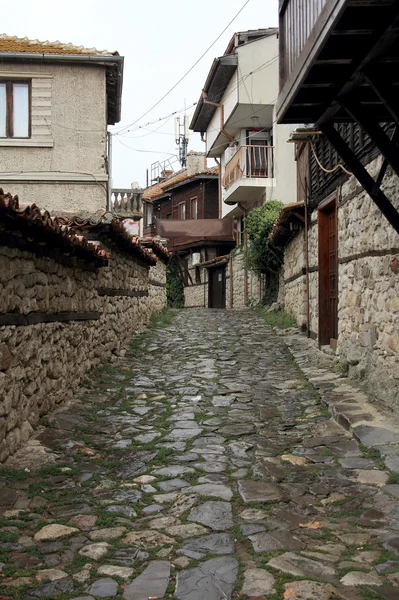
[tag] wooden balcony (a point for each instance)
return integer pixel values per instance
(249, 162)
(127, 203)
(332, 49)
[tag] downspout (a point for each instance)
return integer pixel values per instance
(307, 260)
(109, 165)
(231, 282)
(219, 163)
(245, 250)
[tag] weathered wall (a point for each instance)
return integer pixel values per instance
(196, 294)
(368, 309)
(368, 286)
(42, 364)
(292, 292)
(64, 160)
(239, 274)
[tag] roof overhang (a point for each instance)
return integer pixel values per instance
(351, 43)
(219, 76)
(112, 63)
(288, 224)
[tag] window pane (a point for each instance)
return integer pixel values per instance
(3, 105)
(21, 109)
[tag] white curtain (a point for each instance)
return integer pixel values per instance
(21, 109)
(3, 109)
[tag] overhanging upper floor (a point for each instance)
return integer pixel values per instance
(330, 49)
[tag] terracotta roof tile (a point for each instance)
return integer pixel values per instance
(44, 225)
(9, 43)
(159, 188)
(218, 259)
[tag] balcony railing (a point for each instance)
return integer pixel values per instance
(249, 162)
(297, 21)
(127, 202)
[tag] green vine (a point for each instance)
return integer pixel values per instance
(262, 256)
(174, 285)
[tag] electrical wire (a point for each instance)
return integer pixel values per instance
(148, 151)
(338, 166)
(175, 112)
(191, 68)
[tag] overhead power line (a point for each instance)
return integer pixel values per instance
(190, 69)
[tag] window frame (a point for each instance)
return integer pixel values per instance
(149, 213)
(181, 211)
(194, 202)
(9, 83)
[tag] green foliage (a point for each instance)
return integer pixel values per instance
(261, 256)
(278, 318)
(174, 285)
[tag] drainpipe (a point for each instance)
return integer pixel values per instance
(109, 164)
(245, 250)
(231, 282)
(220, 186)
(307, 260)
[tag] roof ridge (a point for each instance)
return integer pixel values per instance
(46, 44)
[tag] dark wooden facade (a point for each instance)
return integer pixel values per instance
(195, 199)
(339, 64)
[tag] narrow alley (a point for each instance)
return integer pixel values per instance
(200, 466)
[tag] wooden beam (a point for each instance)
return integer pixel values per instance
(382, 90)
(361, 174)
(374, 130)
(34, 318)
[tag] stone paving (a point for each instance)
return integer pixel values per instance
(200, 466)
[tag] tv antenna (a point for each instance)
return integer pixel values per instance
(182, 134)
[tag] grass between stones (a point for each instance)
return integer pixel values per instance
(277, 318)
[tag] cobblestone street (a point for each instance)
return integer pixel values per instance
(200, 466)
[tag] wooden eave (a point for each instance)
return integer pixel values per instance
(215, 86)
(352, 42)
(283, 231)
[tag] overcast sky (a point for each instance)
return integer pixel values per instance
(160, 40)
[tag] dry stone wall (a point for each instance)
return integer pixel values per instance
(42, 364)
(368, 286)
(239, 275)
(195, 293)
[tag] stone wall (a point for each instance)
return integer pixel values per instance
(368, 286)
(239, 274)
(196, 294)
(43, 363)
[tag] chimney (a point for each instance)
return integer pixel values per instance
(196, 163)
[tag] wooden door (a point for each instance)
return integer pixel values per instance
(328, 274)
(217, 287)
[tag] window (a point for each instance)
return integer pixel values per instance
(14, 109)
(149, 214)
(194, 208)
(182, 210)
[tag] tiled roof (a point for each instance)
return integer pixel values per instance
(159, 188)
(9, 43)
(131, 243)
(45, 228)
(280, 234)
(213, 261)
(113, 225)
(160, 250)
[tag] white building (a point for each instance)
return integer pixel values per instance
(236, 117)
(56, 101)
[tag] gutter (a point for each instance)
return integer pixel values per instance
(62, 57)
